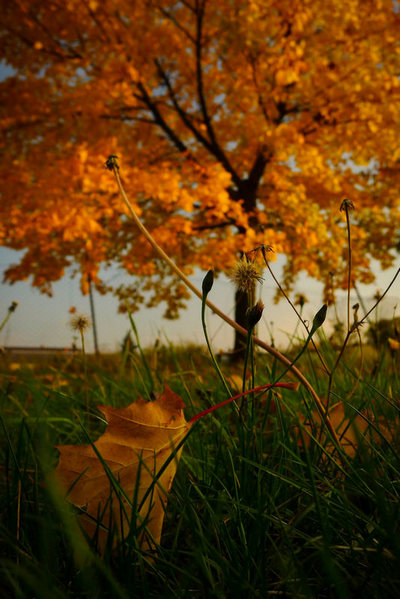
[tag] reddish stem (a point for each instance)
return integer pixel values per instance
(293, 386)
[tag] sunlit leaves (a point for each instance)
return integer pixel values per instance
(235, 125)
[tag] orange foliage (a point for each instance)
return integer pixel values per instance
(235, 123)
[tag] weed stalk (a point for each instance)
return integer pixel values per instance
(207, 284)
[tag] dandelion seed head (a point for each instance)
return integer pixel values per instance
(244, 274)
(80, 322)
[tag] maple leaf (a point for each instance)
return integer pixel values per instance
(136, 458)
(134, 450)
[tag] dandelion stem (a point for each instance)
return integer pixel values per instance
(346, 206)
(298, 314)
(365, 317)
(11, 309)
(214, 361)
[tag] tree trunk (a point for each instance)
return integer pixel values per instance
(241, 307)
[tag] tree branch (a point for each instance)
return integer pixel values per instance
(215, 146)
(159, 119)
(214, 226)
(258, 168)
(168, 15)
(215, 151)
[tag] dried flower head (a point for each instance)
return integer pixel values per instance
(13, 306)
(245, 273)
(346, 205)
(80, 322)
(300, 300)
(112, 163)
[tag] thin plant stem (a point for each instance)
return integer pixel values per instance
(360, 299)
(3, 324)
(213, 359)
(113, 166)
(317, 322)
(360, 369)
(247, 355)
(298, 314)
(80, 322)
(18, 515)
(11, 309)
(346, 205)
(82, 334)
(365, 317)
(142, 355)
(83, 343)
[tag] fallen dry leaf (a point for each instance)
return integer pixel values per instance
(394, 344)
(350, 431)
(135, 445)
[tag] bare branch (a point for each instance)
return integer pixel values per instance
(188, 122)
(178, 25)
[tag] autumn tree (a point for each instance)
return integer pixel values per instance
(236, 123)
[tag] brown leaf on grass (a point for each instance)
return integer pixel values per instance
(351, 431)
(131, 455)
(135, 445)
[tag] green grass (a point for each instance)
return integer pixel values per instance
(253, 511)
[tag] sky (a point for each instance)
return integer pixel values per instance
(43, 321)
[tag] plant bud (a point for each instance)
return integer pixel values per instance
(319, 318)
(254, 315)
(208, 282)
